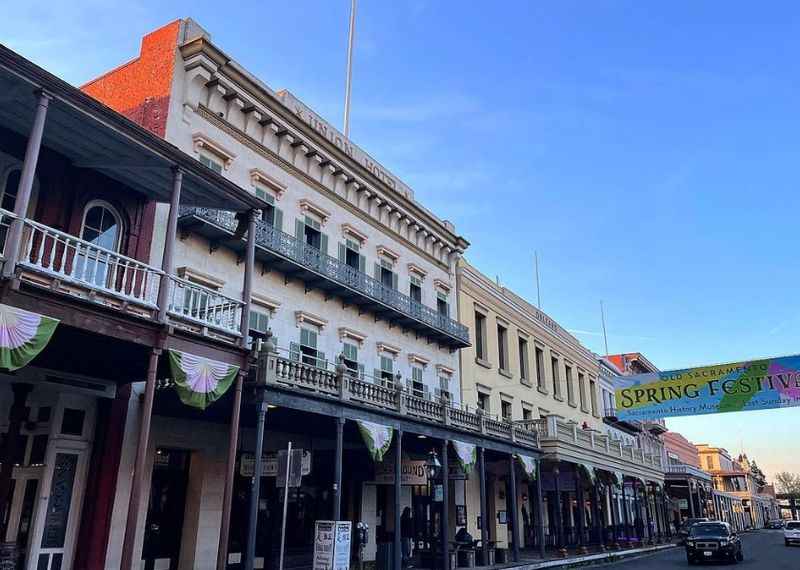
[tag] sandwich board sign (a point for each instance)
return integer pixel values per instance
(332, 545)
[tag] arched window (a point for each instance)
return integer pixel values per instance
(102, 225)
(10, 188)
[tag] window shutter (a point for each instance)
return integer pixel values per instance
(342, 253)
(321, 361)
(362, 264)
(278, 223)
(426, 392)
(299, 230)
(376, 376)
(294, 351)
(394, 281)
(323, 243)
(361, 372)
(378, 271)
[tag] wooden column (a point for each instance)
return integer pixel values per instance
(398, 482)
(512, 477)
(612, 498)
(17, 416)
(559, 512)
(625, 509)
(230, 468)
(648, 520)
(26, 182)
(249, 266)
(137, 483)
(167, 263)
(579, 498)
(540, 508)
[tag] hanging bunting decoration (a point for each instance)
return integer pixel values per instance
(23, 335)
(200, 381)
(528, 464)
(588, 470)
(377, 437)
(467, 455)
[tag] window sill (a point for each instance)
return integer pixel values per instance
(542, 390)
(558, 398)
(573, 404)
(505, 373)
(482, 362)
(525, 382)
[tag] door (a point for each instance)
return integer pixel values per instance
(164, 524)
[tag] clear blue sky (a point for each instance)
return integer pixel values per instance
(648, 151)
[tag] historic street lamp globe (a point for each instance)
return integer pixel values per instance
(432, 465)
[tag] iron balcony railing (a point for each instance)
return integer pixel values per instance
(305, 255)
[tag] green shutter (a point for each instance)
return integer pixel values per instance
(394, 281)
(299, 230)
(376, 376)
(323, 243)
(278, 223)
(321, 361)
(378, 271)
(361, 372)
(294, 351)
(362, 264)
(342, 253)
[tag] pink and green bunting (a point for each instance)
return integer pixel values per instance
(200, 381)
(466, 453)
(377, 437)
(23, 335)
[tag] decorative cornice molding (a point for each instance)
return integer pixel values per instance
(305, 317)
(307, 206)
(202, 141)
(267, 302)
(351, 231)
(419, 271)
(386, 252)
(418, 359)
(386, 347)
(348, 333)
(260, 177)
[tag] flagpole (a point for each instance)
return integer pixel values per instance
(350, 39)
(603, 319)
(538, 295)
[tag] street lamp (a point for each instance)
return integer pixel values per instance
(432, 465)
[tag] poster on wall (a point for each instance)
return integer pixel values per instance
(734, 387)
(341, 551)
(332, 541)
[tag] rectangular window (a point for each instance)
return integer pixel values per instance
(210, 162)
(442, 305)
(505, 410)
(480, 336)
(415, 290)
(350, 354)
(384, 274)
(524, 371)
(444, 389)
(556, 377)
(502, 347)
(386, 373)
(540, 368)
(350, 255)
(483, 402)
(309, 232)
(417, 383)
(709, 462)
(593, 396)
(259, 323)
(582, 391)
(527, 414)
(308, 347)
(570, 386)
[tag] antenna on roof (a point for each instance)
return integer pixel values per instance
(603, 320)
(536, 264)
(350, 39)
(497, 280)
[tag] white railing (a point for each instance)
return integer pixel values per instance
(77, 261)
(204, 306)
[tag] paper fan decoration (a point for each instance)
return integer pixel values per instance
(200, 381)
(23, 335)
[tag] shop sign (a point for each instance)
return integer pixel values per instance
(269, 464)
(412, 472)
(332, 545)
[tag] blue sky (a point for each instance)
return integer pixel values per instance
(647, 151)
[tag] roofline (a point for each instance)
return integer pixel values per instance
(59, 89)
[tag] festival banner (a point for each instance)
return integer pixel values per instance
(377, 437)
(200, 381)
(736, 387)
(528, 464)
(467, 455)
(23, 335)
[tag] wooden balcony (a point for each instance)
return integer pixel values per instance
(67, 265)
(294, 258)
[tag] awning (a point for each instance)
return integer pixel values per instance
(528, 464)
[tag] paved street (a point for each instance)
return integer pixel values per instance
(763, 549)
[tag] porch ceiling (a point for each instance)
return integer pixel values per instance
(94, 136)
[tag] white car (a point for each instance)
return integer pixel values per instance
(791, 532)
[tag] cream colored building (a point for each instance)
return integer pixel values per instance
(525, 368)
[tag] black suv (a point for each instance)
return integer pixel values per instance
(713, 541)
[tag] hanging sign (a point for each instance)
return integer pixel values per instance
(735, 387)
(377, 437)
(467, 455)
(200, 381)
(412, 472)
(23, 335)
(269, 464)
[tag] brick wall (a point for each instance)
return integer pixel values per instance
(140, 89)
(682, 447)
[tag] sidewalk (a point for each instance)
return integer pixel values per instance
(579, 560)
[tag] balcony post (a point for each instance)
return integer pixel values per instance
(169, 244)
(540, 509)
(445, 506)
(625, 510)
(648, 520)
(249, 264)
(230, 467)
(445, 414)
(341, 379)
(255, 483)
(137, 482)
(558, 511)
(337, 469)
(27, 175)
(398, 482)
(579, 499)
(484, 524)
(512, 476)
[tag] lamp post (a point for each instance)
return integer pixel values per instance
(432, 468)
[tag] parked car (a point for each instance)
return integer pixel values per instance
(683, 532)
(775, 524)
(713, 541)
(791, 533)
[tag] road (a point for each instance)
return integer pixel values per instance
(762, 550)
